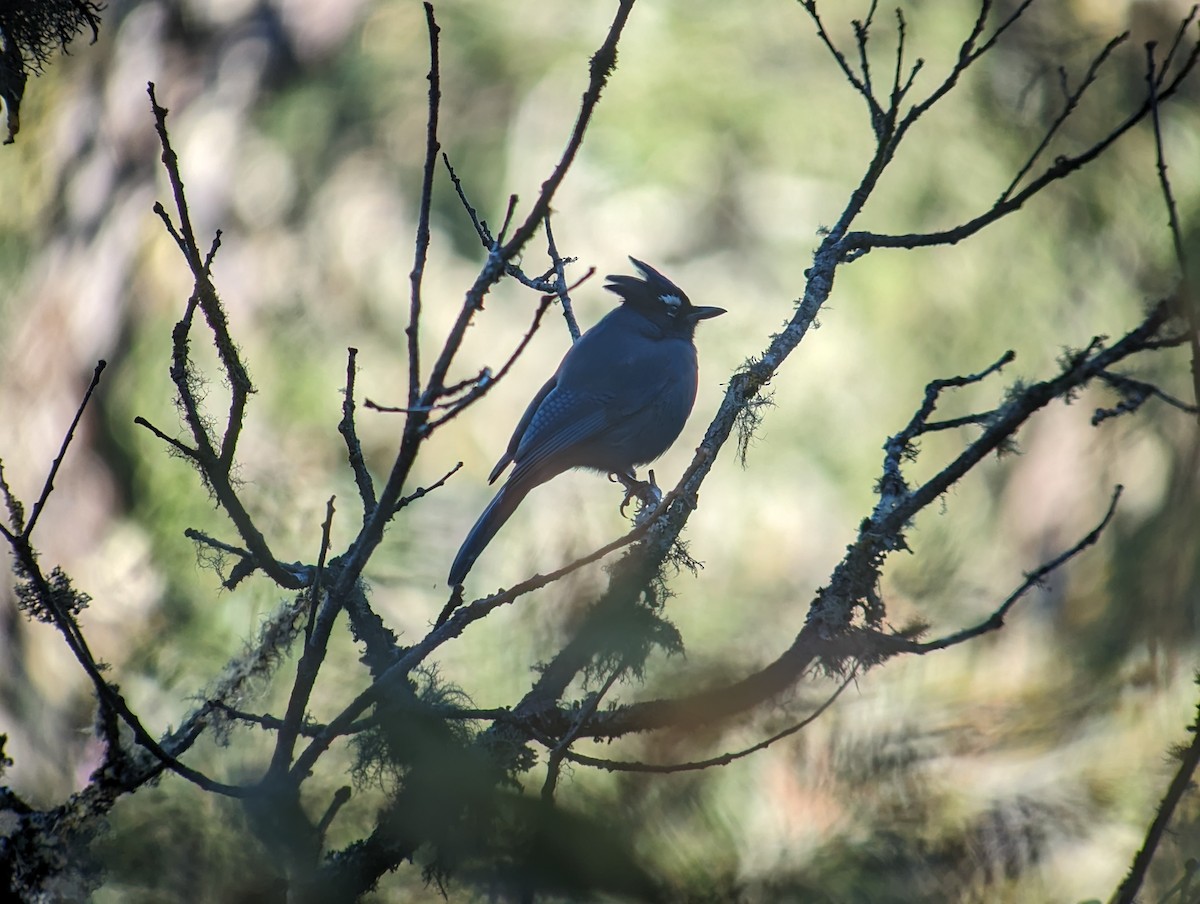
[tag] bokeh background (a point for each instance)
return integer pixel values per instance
(1023, 767)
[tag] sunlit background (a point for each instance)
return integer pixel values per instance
(1022, 767)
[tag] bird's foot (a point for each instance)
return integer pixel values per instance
(647, 493)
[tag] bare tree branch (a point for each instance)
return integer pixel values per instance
(432, 146)
(48, 486)
(857, 243)
(724, 759)
(215, 467)
(1181, 783)
(1188, 299)
(358, 465)
(560, 282)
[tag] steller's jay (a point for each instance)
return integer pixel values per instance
(619, 399)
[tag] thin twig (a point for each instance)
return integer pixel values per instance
(995, 621)
(62, 451)
(560, 283)
(481, 228)
(859, 85)
(862, 35)
(563, 747)
(1188, 296)
(480, 384)
(212, 253)
(358, 465)
(420, 492)
(1185, 25)
(602, 64)
(186, 237)
(900, 91)
(267, 722)
(967, 420)
(372, 405)
(509, 213)
(1160, 159)
(200, 537)
(182, 377)
(483, 386)
(969, 52)
(422, 250)
(722, 760)
(1133, 394)
(245, 561)
(314, 589)
(1070, 104)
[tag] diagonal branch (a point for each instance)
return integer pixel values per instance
(563, 747)
(602, 65)
(485, 383)
(40, 505)
(1181, 783)
(995, 621)
(110, 698)
(969, 52)
(1070, 104)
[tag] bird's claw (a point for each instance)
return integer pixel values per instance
(630, 495)
(647, 493)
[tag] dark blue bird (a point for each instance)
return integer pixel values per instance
(619, 399)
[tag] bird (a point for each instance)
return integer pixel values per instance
(619, 399)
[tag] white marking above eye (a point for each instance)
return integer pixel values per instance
(671, 301)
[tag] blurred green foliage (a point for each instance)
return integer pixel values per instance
(1021, 768)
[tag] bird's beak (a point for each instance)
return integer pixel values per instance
(703, 313)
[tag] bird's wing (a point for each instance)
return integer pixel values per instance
(562, 419)
(515, 443)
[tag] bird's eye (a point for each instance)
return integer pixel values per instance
(672, 302)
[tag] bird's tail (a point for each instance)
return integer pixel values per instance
(499, 510)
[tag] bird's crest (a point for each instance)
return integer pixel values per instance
(652, 287)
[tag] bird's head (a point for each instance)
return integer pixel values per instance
(659, 299)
